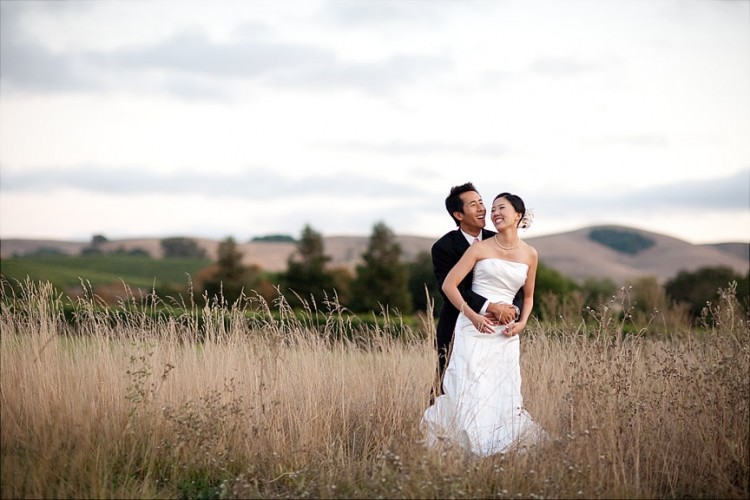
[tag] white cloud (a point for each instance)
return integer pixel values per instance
(596, 111)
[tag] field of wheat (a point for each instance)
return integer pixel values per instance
(149, 406)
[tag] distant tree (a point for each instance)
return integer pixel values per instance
(263, 284)
(597, 291)
(699, 287)
(98, 240)
(555, 294)
(95, 247)
(182, 247)
(648, 297)
(743, 292)
(283, 238)
(306, 274)
(342, 283)
(135, 252)
(382, 279)
(228, 277)
(45, 251)
(549, 280)
(421, 277)
(139, 252)
(90, 250)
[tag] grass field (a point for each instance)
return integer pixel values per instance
(136, 408)
(67, 271)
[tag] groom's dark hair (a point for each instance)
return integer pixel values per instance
(454, 203)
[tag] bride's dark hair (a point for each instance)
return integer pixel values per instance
(518, 205)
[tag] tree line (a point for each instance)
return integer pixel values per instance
(384, 280)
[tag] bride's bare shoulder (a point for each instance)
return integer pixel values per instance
(530, 251)
(476, 252)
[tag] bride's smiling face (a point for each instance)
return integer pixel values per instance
(504, 215)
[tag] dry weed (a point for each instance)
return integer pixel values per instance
(134, 403)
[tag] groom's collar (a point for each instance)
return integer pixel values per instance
(469, 237)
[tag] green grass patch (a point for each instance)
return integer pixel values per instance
(66, 271)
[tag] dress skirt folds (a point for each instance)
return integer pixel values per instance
(481, 408)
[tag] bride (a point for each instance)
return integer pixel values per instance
(482, 407)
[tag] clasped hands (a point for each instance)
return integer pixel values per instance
(497, 314)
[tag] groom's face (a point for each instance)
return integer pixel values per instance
(472, 219)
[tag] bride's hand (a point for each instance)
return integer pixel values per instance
(483, 324)
(514, 329)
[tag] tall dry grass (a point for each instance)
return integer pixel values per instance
(129, 406)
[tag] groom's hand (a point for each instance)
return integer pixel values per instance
(505, 313)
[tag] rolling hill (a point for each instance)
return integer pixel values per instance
(573, 253)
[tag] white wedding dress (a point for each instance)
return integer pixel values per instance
(482, 407)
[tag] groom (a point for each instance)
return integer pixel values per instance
(466, 208)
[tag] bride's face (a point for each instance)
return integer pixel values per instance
(504, 215)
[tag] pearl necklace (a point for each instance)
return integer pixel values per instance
(518, 240)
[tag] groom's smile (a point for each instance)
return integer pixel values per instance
(474, 212)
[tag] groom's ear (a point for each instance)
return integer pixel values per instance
(458, 215)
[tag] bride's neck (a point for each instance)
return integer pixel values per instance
(507, 237)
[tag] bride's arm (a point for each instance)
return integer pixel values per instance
(444, 257)
(452, 280)
(528, 298)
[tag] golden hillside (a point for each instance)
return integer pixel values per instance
(571, 253)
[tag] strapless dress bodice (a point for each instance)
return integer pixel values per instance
(499, 280)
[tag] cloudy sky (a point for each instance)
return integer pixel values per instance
(247, 118)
